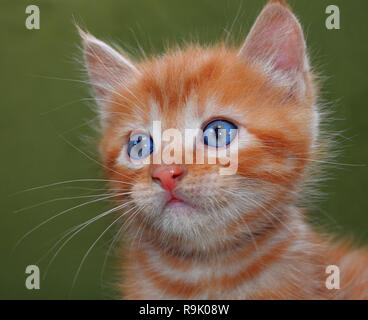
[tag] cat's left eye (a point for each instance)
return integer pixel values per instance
(140, 146)
(219, 133)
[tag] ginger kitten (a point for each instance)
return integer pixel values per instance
(194, 233)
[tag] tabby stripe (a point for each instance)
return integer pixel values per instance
(187, 290)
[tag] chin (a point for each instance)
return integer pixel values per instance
(180, 217)
(192, 226)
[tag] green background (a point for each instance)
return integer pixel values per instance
(42, 101)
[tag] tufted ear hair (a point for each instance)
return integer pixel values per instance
(276, 43)
(107, 68)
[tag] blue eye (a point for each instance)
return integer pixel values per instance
(219, 133)
(140, 146)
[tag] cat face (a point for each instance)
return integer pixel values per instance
(263, 92)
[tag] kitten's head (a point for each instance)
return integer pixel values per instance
(264, 91)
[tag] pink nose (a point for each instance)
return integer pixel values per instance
(167, 175)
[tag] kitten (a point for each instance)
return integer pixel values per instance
(195, 233)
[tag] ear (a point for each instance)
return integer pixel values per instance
(276, 42)
(107, 68)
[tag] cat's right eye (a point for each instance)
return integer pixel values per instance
(219, 133)
(140, 146)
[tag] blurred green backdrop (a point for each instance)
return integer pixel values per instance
(42, 101)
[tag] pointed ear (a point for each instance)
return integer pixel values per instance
(107, 68)
(276, 42)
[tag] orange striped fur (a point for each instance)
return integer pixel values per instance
(244, 236)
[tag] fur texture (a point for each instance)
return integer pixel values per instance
(240, 236)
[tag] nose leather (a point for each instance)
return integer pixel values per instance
(168, 175)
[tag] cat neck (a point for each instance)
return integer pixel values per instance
(195, 274)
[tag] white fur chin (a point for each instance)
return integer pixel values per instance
(183, 219)
(179, 208)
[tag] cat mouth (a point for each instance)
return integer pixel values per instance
(173, 199)
(175, 202)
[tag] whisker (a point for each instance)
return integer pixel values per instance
(91, 247)
(330, 162)
(124, 226)
(62, 199)
(76, 230)
(57, 215)
(67, 182)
